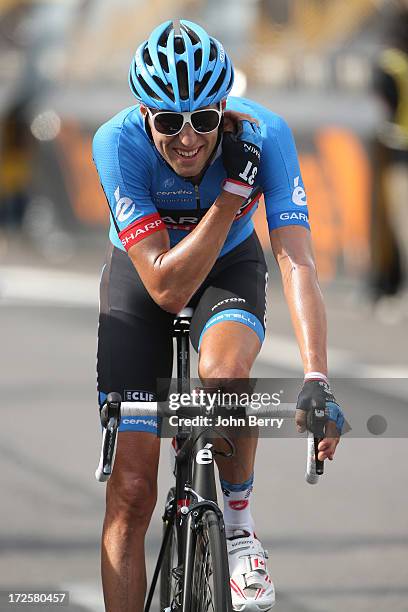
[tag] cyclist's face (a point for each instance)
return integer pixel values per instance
(187, 152)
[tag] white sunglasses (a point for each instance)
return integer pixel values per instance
(170, 123)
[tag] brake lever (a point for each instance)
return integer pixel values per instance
(316, 425)
(110, 421)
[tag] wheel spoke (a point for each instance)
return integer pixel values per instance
(202, 587)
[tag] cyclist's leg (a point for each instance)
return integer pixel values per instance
(130, 500)
(134, 349)
(227, 353)
(228, 328)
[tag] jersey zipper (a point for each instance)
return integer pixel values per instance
(197, 197)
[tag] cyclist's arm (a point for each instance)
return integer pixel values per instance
(292, 249)
(173, 275)
(287, 215)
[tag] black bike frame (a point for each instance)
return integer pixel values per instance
(200, 477)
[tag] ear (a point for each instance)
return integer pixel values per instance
(223, 104)
(143, 110)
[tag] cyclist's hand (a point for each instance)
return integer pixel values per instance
(232, 119)
(241, 150)
(317, 395)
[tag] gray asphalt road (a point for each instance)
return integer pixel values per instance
(341, 545)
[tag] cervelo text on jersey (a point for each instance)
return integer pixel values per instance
(145, 195)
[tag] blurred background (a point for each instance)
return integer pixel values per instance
(337, 71)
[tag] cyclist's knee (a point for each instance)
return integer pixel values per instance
(131, 498)
(224, 369)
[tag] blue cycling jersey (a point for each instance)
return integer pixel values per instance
(144, 193)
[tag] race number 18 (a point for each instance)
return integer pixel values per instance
(251, 178)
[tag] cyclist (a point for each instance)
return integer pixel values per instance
(182, 172)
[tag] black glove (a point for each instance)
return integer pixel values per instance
(241, 152)
(318, 403)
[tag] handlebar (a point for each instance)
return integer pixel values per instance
(114, 410)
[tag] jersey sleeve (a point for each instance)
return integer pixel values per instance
(284, 192)
(124, 173)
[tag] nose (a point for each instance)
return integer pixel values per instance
(187, 136)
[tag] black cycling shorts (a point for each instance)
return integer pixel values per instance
(135, 346)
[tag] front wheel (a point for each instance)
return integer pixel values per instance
(206, 583)
(168, 582)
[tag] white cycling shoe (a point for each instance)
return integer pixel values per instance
(252, 589)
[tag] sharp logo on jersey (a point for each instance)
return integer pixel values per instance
(125, 207)
(299, 194)
(141, 229)
(291, 216)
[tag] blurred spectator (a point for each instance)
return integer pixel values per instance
(15, 137)
(15, 164)
(391, 84)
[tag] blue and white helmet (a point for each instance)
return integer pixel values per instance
(180, 71)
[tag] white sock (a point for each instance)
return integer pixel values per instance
(237, 506)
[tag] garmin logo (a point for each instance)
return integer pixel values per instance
(173, 193)
(291, 216)
(180, 220)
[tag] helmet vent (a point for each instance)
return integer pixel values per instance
(147, 88)
(182, 79)
(146, 57)
(163, 61)
(179, 45)
(192, 35)
(231, 80)
(197, 59)
(162, 42)
(218, 83)
(213, 51)
(202, 85)
(133, 86)
(166, 89)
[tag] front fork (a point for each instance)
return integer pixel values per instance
(195, 513)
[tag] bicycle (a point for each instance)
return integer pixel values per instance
(193, 561)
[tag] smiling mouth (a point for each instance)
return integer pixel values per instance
(188, 154)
